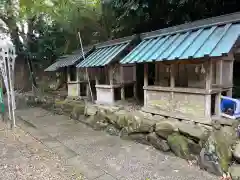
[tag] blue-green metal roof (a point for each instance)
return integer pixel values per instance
(215, 38)
(69, 59)
(106, 52)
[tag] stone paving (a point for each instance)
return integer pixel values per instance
(99, 156)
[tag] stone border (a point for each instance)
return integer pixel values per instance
(215, 148)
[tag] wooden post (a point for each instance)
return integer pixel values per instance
(110, 75)
(229, 92)
(87, 86)
(208, 87)
(111, 81)
(145, 74)
(68, 74)
(97, 74)
(208, 106)
(219, 72)
(122, 83)
(231, 72)
(209, 74)
(96, 80)
(135, 82)
(78, 82)
(172, 84)
(172, 76)
(145, 82)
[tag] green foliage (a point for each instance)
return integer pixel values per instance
(53, 24)
(42, 30)
(136, 16)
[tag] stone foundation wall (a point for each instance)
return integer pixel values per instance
(104, 95)
(185, 103)
(214, 148)
(73, 89)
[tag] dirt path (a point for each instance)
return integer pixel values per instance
(23, 157)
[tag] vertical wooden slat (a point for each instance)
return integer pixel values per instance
(122, 83)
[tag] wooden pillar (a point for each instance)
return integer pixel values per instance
(96, 80)
(87, 85)
(231, 72)
(110, 75)
(172, 75)
(145, 74)
(209, 74)
(122, 83)
(68, 74)
(219, 72)
(110, 69)
(218, 104)
(135, 82)
(145, 82)
(78, 83)
(229, 92)
(208, 105)
(172, 84)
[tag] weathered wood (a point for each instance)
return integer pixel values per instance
(219, 72)
(172, 75)
(209, 73)
(145, 83)
(122, 82)
(218, 104)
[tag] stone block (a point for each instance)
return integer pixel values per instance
(90, 110)
(139, 137)
(77, 111)
(218, 148)
(234, 171)
(179, 145)
(112, 130)
(192, 131)
(236, 152)
(166, 128)
(158, 142)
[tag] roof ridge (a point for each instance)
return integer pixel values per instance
(190, 26)
(113, 42)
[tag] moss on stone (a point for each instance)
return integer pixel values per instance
(223, 149)
(179, 145)
(77, 111)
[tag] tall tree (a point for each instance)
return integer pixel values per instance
(136, 16)
(42, 30)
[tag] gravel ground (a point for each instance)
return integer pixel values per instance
(23, 157)
(100, 156)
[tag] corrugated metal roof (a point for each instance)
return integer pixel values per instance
(68, 60)
(106, 52)
(186, 41)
